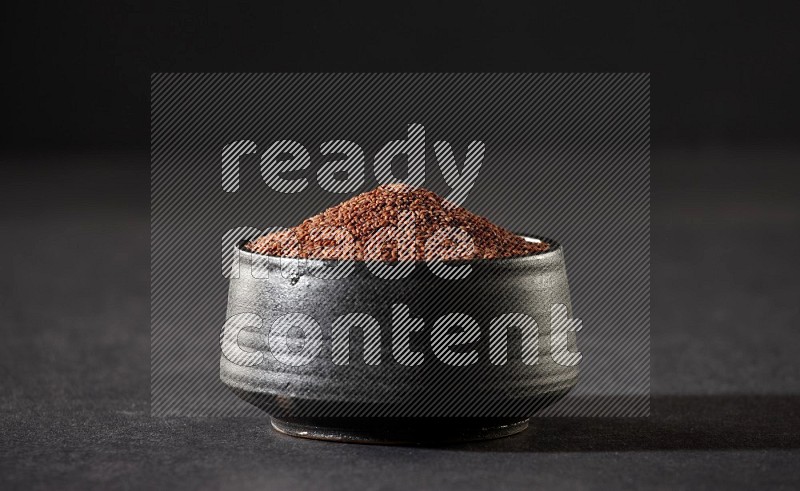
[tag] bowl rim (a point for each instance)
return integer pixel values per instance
(555, 248)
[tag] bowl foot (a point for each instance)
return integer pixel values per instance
(398, 431)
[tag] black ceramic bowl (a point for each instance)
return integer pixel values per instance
(282, 352)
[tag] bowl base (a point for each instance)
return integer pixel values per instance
(400, 431)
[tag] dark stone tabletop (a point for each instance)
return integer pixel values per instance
(75, 355)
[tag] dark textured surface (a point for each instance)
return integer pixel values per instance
(74, 361)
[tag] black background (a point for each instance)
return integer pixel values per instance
(74, 361)
(77, 73)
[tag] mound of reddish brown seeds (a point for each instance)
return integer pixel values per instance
(396, 223)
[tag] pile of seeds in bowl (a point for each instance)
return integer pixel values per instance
(395, 222)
